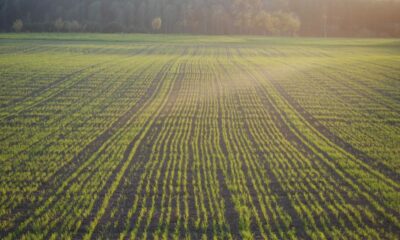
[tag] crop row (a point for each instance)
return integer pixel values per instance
(206, 141)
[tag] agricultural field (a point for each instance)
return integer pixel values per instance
(198, 137)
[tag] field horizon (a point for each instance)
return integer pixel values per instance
(160, 136)
(182, 37)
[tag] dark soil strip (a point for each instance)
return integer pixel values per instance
(231, 215)
(193, 214)
(207, 204)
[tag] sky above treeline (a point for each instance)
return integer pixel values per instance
(331, 18)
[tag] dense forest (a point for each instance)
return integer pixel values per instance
(332, 18)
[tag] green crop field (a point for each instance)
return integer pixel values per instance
(198, 137)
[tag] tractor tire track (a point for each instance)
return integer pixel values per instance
(141, 151)
(57, 179)
(389, 172)
(287, 131)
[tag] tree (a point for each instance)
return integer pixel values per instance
(244, 12)
(94, 12)
(264, 23)
(18, 25)
(156, 24)
(289, 24)
(170, 18)
(73, 26)
(59, 24)
(278, 23)
(318, 17)
(220, 19)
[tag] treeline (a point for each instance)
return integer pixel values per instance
(362, 18)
